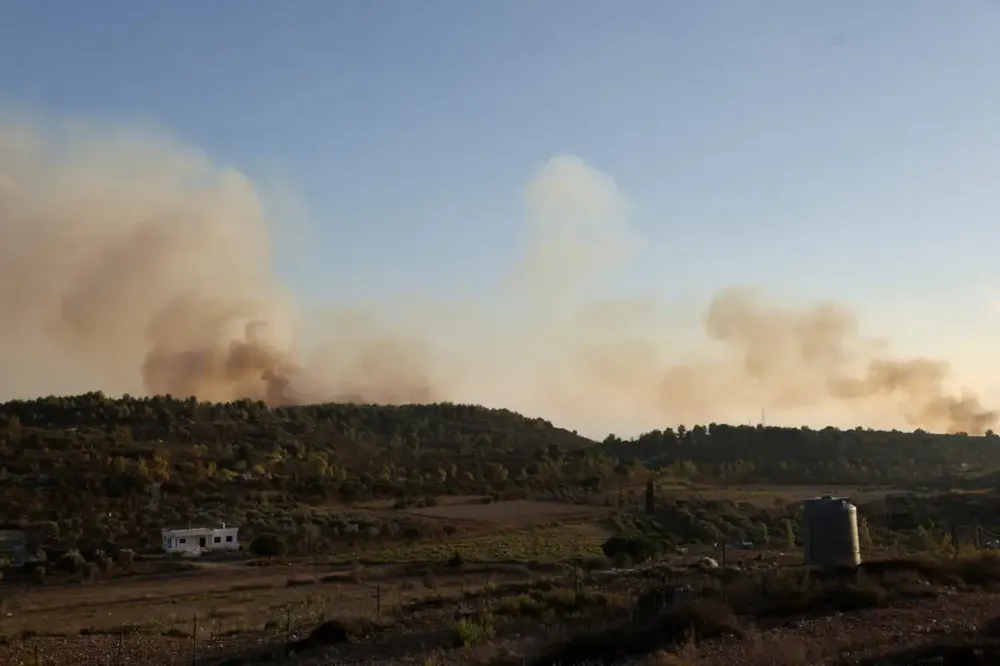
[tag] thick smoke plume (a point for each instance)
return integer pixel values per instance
(808, 355)
(132, 263)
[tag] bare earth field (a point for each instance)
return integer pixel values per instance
(421, 633)
(226, 607)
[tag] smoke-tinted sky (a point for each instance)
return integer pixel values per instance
(843, 151)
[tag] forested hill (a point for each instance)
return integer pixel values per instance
(802, 455)
(64, 458)
(116, 447)
(345, 429)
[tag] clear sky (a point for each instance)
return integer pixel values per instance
(822, 149)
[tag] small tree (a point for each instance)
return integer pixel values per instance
(865, 535)
(650, 498)
(789, 535)
(637, 550)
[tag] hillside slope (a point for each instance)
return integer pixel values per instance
(335, 427)
(802, 455)
(62, 456)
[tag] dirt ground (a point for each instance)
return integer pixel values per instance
(242, 609)
(216, 608)
(220, 597)
(223, 608)
(850, 638)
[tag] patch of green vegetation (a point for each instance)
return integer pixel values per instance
(475, 630)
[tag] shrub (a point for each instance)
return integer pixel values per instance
(268, 545)
(330, 632)
(635, 548)
(71, 561)
(475, 630)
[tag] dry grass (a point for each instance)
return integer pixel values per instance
(515, 513)
(767, 650)
(766, 497)
(552, 542)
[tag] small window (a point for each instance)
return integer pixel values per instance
(229, 538)
(217, 540)
(183, 540)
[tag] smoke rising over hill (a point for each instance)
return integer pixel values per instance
(131, 263)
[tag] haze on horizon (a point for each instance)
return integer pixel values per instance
(134, 259)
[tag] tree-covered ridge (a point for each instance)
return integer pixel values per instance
(386, 449)
(759, 454)
(98, 468)
(90, 465)
(165, 419)
(57, 451)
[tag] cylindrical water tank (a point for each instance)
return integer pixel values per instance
(830, 532)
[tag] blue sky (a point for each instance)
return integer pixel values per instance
(822, 149)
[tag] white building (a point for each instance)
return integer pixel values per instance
(196, 540)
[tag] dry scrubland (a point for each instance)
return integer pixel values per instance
(451, 534)
(535, 589)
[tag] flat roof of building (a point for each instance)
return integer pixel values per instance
(185, 531)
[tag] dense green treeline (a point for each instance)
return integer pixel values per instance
(725, 453)
(67, 458)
